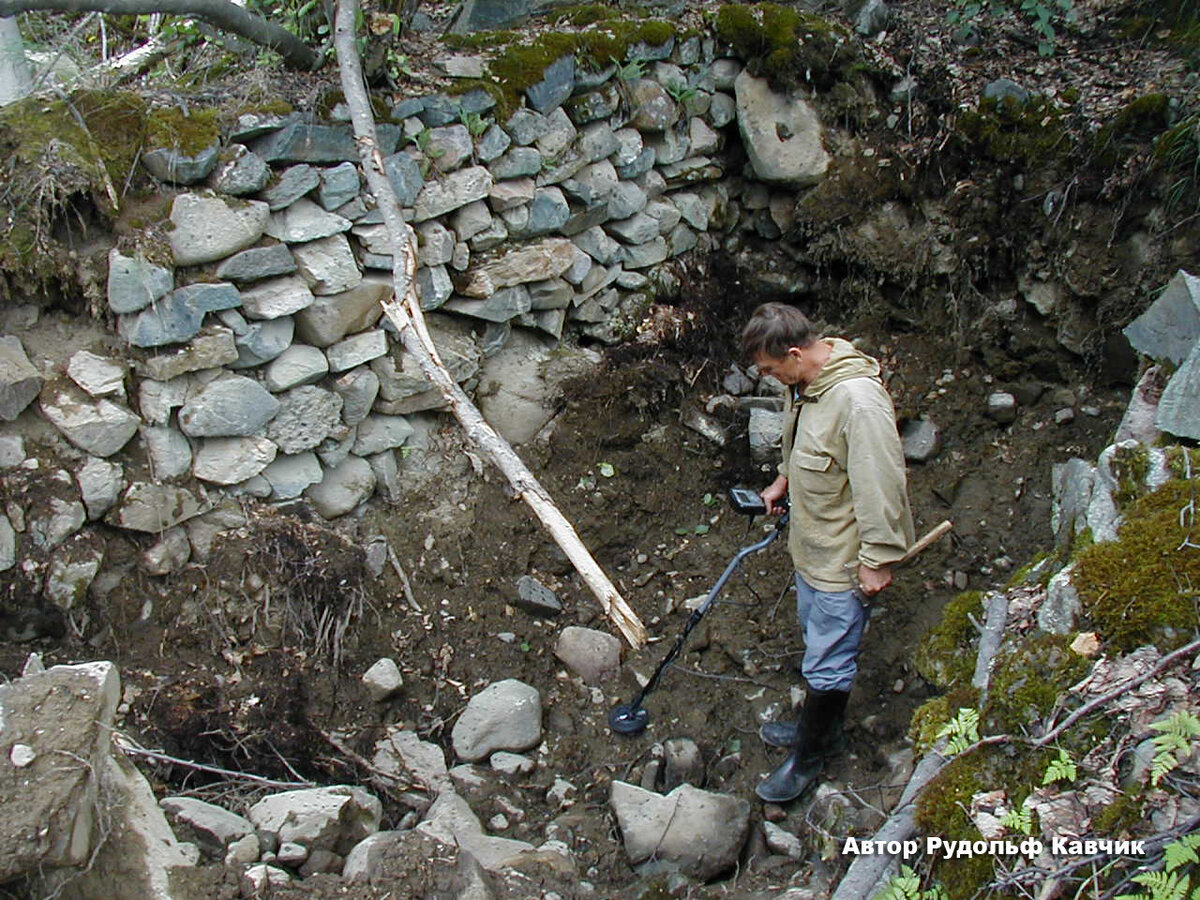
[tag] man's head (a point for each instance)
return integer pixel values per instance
(776, 338)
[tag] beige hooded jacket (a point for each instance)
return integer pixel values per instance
(845, 470)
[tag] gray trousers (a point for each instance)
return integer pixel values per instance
(833, 625)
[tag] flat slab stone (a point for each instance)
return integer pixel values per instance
(257, 263)
(298, 142)
(1179, 407)
(209, 228)
(305, 221)
(276, 297)
(545, 259)
(20, 382)
(177, 317)
(153, 508)
(230, 460)
(1170, 328)
(452, 191)
(134, 282)
(99, 427)
(356, 350)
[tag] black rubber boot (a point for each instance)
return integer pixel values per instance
(784, 734)
(821, 719)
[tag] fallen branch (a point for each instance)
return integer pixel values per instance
(404, 582)
(131, 748)
(223, 15)
(404, 312)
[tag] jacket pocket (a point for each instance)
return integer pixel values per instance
(817, 474)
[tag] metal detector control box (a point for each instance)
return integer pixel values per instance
(747, 502)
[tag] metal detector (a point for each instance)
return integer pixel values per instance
(632, 718)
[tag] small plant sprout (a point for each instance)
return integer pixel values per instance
(606, 469)
(1061, 769)
(1172, 743)
(962, 730)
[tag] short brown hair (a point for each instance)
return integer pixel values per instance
(773, 328)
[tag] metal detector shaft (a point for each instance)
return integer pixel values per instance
(699, 611)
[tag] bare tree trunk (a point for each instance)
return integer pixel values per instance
(14, 70)
(219, 13)
(404, 311)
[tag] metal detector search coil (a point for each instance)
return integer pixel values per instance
(632, 718)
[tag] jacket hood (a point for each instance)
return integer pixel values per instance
(844, 362)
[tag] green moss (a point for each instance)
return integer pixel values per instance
(1029, 676)
(787, 47)
(1028, 134)
(852, 189)
(945, 655)
(72, 153)
(1138, 121)
(1141, 587)
(1130, 467)
(518, 63)
(942, 808)
(1183, 462)
(1121, 816)
(188, 134)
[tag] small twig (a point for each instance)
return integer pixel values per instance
(132, 748)
(404, 582)
(1070, 720)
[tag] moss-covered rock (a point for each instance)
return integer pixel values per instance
(787, 47)
(1142, 587)
(1029, 676)
(1026, 134)
(945, 656)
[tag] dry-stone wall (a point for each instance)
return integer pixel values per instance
(265, 346)
(256, 359)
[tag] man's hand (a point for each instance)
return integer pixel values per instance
(872, 581)
(773, 493)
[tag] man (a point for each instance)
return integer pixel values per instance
(843, 472)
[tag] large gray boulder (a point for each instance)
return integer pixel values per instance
(1170, 328)
(307, 415)
(344, 486)
(153, 508)
(544, 259)
(328, 319)
(232, 460)
(515, 398)
(134, 282)
(506, 715)
(209, 228)
(700, 832)
(99, 427)
(228, 406)
(781, 133)
(73, 813)
(177, 317)
(329, 818)
(451, 821)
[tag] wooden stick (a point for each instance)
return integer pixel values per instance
(932, 536)
(405, 314)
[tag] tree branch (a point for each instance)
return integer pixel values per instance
(219, 13)
(404, 311)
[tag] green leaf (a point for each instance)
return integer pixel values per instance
(701, 529)
(1061, 769)
(1181, 852)
(606, 469)
(683, 531)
